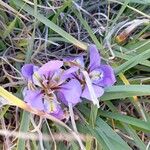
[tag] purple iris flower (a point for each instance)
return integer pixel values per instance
(100, 75)
(47, 84)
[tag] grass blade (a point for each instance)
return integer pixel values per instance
(133, 61)
(123, 91)
(23, 128)
(126, 119)
(50, 24)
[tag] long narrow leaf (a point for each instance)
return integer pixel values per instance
(50, 24)
(133, 61)
(126, 119)
(123, 91)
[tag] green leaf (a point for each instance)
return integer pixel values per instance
(138, 142)
(115, 141)
(23, 128)
(123, 91)
(50, 24)
(126, 119)
(89, 30)
(86, 129)
(9, 29)
(133, 61)
(138, 1)
(128, 57)
(3, 111)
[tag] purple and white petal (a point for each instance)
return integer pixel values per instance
(34, 98)
(95, 59)
(70, 92)
(53, 108)
(108, 76)
(59, 113)
(99, 91)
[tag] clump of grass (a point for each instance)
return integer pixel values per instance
(37, 31)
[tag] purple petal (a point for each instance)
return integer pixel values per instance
(70, 92)
(69, 73)
(95, 59)
(34, 98)
(50, 66)
(57, 112)
(108, 77)
(27, 71)
(97, 89)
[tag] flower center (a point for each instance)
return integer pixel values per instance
(96, 75)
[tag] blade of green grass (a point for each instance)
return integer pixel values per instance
(89, 30)
(116, 141)
(61, 9)
(25, 121)
(24, 126)
(124, 5)
(50, 24)
(136, 140)
(132, 8)
(126, 119)
(128, 57)
(31, 41)
(10, 28)
(138, 1)
(90, 131)
(123, 91)
(3, 112)
(133, 62)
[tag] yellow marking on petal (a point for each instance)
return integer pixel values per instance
(52, 106)
(36, 75)
(31, 86)
(37, 79)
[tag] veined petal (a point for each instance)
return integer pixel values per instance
(53, 107)
(108, 77)
(50, 66)
(70, 92)
(69, 73)
(97, 89)
(27, 71)
(34, 98)
(95, 59)
(59, 113)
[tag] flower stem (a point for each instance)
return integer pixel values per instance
(74, 127)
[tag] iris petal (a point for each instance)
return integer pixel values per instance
(34, 98)
(50, 66)
(95, 59)
(108, 78)
(97, 89)
(56, 111)
(70, 92)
